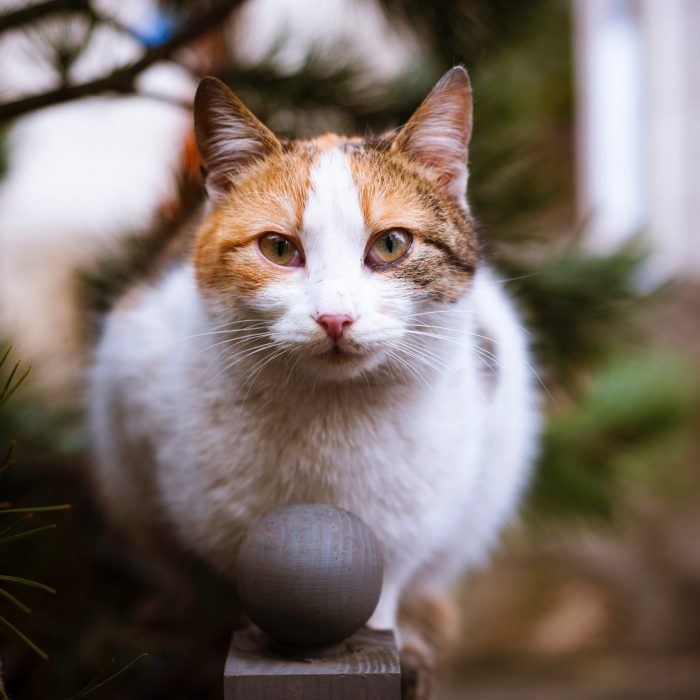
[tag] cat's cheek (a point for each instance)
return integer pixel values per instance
(429, 274)
(284, 304)
(221, 274)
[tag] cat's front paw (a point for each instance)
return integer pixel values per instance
(428, 627)
(417, 675)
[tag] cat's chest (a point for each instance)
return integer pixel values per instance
(405, 463)
(342, 450)
(325, 439)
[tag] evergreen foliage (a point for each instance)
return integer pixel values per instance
(627, 432)
(17, 528)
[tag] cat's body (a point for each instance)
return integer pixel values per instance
(242, 379)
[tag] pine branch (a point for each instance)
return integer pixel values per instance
(32, 13)
(123, 80)
(11, 384)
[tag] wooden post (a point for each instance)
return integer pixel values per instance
(363, 667)
(309, 576)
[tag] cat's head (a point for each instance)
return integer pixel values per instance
(333, 249)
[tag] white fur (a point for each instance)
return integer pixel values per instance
(200, 438)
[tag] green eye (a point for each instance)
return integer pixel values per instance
(388, 248)
(280, 250)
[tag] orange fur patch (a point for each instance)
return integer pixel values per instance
(395, 192)
(387, 200)
(270, 197)
(325, 142)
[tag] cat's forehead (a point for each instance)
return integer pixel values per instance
(333, 205)
(314, 147)
(330, 182)
(354, 183)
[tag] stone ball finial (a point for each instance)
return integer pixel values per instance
(309, 574)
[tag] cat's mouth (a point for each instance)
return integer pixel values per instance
(343, 361)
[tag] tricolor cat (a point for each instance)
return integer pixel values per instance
(333, 337)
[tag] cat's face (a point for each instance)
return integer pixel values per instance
(333, 251)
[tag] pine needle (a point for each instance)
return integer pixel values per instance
(95, 683)
(15, 601)
(8, 461)
(27, 582)
(101, 675)
(24, 638)
(9, 379)
(26, 533)
(15, 524)
(5, 355)
(7, 391)
(40, 509)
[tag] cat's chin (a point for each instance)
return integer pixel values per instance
(338, 364)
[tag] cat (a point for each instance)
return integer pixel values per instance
(332, 336)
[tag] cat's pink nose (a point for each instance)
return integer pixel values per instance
(334, 324)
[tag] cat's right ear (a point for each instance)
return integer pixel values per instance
(229, 136)
(437, 135)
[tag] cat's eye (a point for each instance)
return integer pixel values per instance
(388, 248)
(280, 250)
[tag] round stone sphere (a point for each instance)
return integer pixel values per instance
(309, 574)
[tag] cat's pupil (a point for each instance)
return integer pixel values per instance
(390, 243)
(281, 247)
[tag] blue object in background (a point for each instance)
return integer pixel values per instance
(156, 29)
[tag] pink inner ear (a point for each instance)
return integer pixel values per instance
(229, 136)
(441, 146)
(438, 133)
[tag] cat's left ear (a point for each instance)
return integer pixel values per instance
(438, 133)
(229, 136)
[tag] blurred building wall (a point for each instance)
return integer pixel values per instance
(638, 114)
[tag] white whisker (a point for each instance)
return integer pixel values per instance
(245, 355)
(257, 368)
(219, 332)
(233, 342)
(436, 336)
(409, 367)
